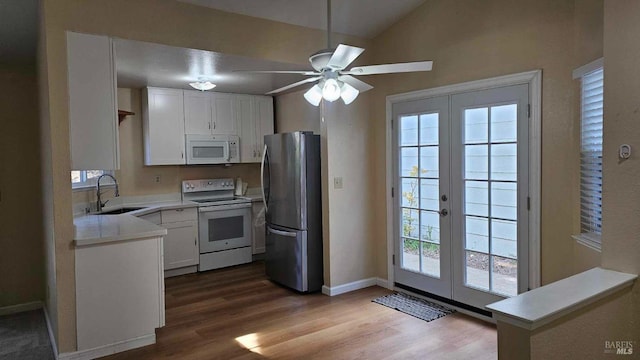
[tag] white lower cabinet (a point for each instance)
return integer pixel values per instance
(257, 221)
(181, 242)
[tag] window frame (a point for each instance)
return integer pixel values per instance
(85, 183)
(591, 239)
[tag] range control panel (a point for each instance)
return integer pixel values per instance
(189, 186)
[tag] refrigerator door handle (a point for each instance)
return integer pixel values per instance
(264, 158)
(281, 233)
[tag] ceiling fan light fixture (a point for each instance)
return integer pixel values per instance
(314, 95)
(202, 85)
(348, 93)
(331, 90)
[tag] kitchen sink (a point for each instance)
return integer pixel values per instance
(123, 210)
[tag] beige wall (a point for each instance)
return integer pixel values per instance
(621, 188)
(471, 40)
(294, 113)
(173, 23)
(588, 43)
(347, 230)
(21, 247)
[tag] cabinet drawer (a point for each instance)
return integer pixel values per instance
(176, 215)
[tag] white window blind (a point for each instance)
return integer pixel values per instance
(591, 154)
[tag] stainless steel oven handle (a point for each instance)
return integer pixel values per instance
(223, 207)
(281, 233)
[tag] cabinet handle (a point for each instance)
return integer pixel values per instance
(179, 210)
(209, 126)
(214, 125)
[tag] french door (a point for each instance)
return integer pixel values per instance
(461, 171)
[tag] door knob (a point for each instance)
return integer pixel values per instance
(443, 212)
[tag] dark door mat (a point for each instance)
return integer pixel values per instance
(420, 308)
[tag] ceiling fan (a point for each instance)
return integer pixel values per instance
(332, 80)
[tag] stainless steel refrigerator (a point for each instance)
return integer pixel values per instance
(291, 192)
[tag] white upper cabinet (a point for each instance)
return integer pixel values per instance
(223, 111)
(207, 113)
(197, 112)
(93, 114)
(163, 120)
(255, 118)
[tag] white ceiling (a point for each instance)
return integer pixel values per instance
(141, 64)
(363, 18)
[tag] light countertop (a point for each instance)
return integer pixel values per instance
(100, 229)
(540, 306)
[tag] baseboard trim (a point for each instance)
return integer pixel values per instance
(14, 309)
(353, 286)
(384, 283)
(52, 338)
(109, 349)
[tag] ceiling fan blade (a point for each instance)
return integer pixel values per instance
(343, 56)
(307, 73)
(391, 68)
(358, 84)
(291, 86)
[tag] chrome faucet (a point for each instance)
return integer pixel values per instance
(99, 203)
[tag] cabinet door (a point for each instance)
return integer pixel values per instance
(257, 221)
(93, 116)
(223, 111)
(163, 126)
(264, 121)
(197, 112)
(246, 121)
(180, 245)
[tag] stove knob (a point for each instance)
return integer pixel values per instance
(209, 183)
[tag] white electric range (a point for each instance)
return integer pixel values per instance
(224, 222)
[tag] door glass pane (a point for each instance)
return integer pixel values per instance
(504, 200)
(429, 192)
(409, 189)
(408, 130)
(505, 276)
(410, 258)
(429, 129)
(504, 162)
(503, 238)
(476, 198)
(430, 226)
(429, 162)
(477, 270)
(409, 161)
(476, 162)
(476, 126)
(410, 223)
(477, 233)
(503, 123)
(430, 259)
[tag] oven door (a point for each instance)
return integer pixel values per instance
(224, 227)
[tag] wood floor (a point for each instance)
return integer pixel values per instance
(236, 313)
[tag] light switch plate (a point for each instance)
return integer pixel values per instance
(337, 183)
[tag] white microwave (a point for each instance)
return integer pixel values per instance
(212, 149)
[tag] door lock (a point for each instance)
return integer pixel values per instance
(443, 212)
(444, 198)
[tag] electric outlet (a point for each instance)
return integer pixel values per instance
(156, 178)
(337, 183)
